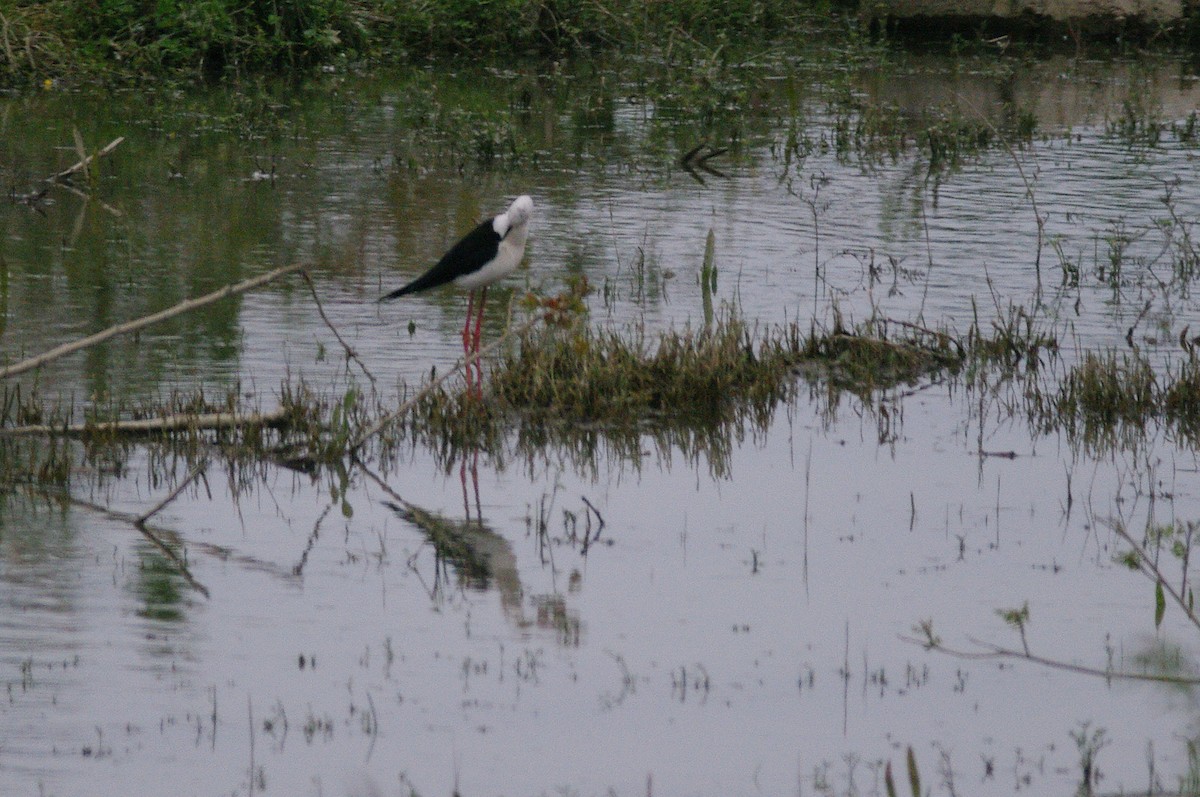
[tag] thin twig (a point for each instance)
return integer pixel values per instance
(85, 162)
(1147, 566)
(12, 59)
(374, 725)
(298, 568)
(599, 517)
(81, 151)
(350, 353)
(928, 255)
(941, 336)
(250, 713)
(1037, 215)
(150, 534)
(141, 323)
(995, 652)
(179, 488)
(85, 196)
(379, 480)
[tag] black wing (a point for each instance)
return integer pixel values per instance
(470, 254)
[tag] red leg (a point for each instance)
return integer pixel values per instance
(475, 343)
(466, 336)
(479, 320)
(462, 476)
(475, 481)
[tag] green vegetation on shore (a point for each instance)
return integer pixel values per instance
(46, 39)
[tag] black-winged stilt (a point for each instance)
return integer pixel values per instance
(486, 254)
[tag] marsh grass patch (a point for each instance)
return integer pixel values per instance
(570, 390)
(694, 391)
(1109, 397)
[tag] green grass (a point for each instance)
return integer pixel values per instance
(1109, 397)
(51, 38)
(581, 391)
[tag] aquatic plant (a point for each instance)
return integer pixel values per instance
(1109, 397)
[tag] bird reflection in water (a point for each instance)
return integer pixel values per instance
(483, 559)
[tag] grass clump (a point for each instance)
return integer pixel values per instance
(1110, 394)
(607, 378)
(871, 358)
(950, 140)
(1107, 390)
(695, 391)
(705, 376)
(580, 391)
(1181, 398)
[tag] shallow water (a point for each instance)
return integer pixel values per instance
(730, 634)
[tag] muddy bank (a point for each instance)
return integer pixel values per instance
(1091, 11)
(1062, 92)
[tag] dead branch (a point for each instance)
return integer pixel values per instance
(351, 354)
(179, 488)
(155, 535)
(141, 323)
(990, 651)
(167, 423)
(695, 159)
(151, 534)
(84, 162)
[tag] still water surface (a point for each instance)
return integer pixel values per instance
(735, 633)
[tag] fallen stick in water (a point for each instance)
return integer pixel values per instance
(166, 423)
(141, 323)
(85, 161)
